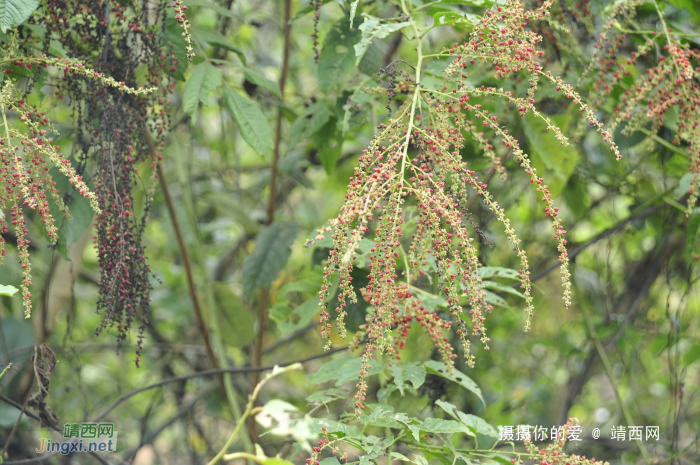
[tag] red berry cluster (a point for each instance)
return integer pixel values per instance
(119, 131)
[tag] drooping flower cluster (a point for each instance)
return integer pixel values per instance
(316, 5)
(25, 180)
(416, 157)
(121, 132)
(30, 184)
(669, 82)
(181, 18)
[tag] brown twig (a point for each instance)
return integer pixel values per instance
(21, 412)
(271, 204)
(187, 263)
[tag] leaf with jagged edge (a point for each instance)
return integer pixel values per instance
(203, 80)
(252, 123)
(272, 249)
(15, 12)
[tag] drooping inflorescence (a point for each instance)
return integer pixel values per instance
(181, 18)
(25, 170)
(416, 158)
(122, 133)
(669, 81)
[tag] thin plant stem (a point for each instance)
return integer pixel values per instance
(608, 370)
(250, 410)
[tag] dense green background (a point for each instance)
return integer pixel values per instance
(631, 244)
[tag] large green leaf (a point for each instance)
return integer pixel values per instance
(554, 162)
(409, 372)
(438, 368)
(458, 19)
(15, 12)
(203, 80)
(476, 424)
(251, 122)
(272, 249)
(336, 63)
(438, 425)
(342, 369)
(309, 123)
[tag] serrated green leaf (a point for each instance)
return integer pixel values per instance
(272, 249)
(411, 372)
(15, 12)
(476, 424)
(342, 369)
(252, 123)
(438, 368)
(372, 28)
(458, 19)
(332, 427)
(203, 80)
(438, 425)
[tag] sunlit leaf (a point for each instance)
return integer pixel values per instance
(204, 78)
(15, 12)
